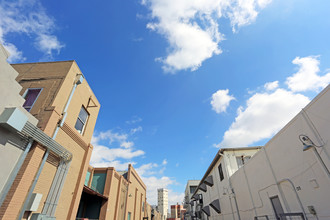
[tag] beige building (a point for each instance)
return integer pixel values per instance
(287, 179)
(50, 180)
(109, 194)
(156, 215)
(177, 212)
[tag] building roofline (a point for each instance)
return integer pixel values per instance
(43, 62)
(218, 156)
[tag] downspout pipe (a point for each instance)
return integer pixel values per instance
(33, 185)
(14, 173)
(79, 80)
(297, 196)
(58, 181)
(231, 189)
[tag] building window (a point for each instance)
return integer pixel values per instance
(276, 203)
(31, 96)
(81, 120)
(242, 160)
(192, 189)
(143, 206)
(129, 216)
(221, 172)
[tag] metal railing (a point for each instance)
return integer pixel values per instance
(292, 216)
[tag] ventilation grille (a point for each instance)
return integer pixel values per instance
(39, 136)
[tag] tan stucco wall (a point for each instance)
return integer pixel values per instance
(57, 79)
(137, 190)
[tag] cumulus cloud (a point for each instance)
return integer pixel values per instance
(307, 78)
(191, 27)
(29, 18)
(118, 148)
(266, 112)
(220, 100)
(264, 115)
(271, 85)
(115, 149)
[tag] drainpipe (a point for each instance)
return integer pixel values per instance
(297, 196)
(231, 189)
(248, 185)
(33, 185)
(62, 170)
(78, 81)
(276, 181)
(14, 173)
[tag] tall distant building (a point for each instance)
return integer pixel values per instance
(163, 202)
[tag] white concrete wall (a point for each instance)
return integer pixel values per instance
(11, 145)
(221, 189)
(269, 172)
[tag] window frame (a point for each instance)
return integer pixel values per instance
(222, 176)
(25, 94)
(84, 124)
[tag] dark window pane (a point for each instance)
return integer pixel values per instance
(220, 172)
(79, 125)
(30, 98)
(192, 189)
(83, 115)
(276, 203)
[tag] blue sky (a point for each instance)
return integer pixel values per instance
(179, 79)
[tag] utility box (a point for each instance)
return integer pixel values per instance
(34, 202)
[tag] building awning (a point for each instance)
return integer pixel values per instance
(94, 193)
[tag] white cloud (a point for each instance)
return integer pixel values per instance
(264, 115)
(220, 100)
(102, 153)
(307, 78)
(29, 18)
(271, 85)
(164, 162)
(15, 54)
(146, 169)
(191, 27)
(266, 112)
(135, 119)
(110, 155)
(137, 129)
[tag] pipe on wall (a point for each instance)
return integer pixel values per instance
(232, 189)
(28, 197)
(14, 172)
(61, 173)
(297, 196)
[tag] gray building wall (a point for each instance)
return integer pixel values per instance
(12, 144)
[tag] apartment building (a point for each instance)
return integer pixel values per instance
(177, 212)
(163, 202)
(215, 184)
(110, 194)
(50, 181)
(189, 191)
(288, 178)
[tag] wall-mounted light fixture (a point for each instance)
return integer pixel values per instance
(308, 144)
